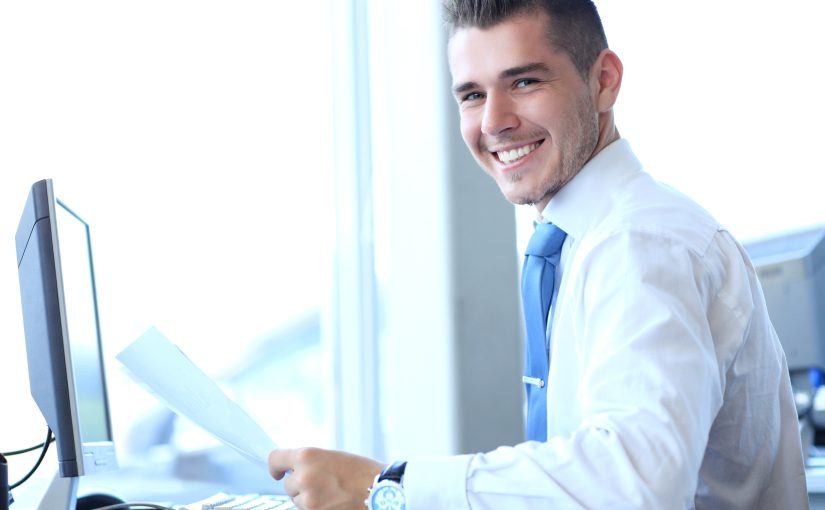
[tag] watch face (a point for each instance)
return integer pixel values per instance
(387, 497)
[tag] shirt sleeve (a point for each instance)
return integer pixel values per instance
(650, 387)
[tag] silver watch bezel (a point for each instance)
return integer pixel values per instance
(381, 487)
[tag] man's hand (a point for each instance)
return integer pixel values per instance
(324, 479)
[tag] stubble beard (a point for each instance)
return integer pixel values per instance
(578, 151)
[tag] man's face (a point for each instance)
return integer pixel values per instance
(527, 115)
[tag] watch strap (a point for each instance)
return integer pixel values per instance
(391, 475)
(393, 472)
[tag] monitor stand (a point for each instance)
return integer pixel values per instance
(61, 494)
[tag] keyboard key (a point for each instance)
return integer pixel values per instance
(224, 501)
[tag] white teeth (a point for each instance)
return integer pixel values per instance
(514, 154)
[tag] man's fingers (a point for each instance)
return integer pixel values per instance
(292, 489)
(281, 462)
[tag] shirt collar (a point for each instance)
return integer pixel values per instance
(576, 206)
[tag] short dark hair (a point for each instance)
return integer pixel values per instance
(574, 27)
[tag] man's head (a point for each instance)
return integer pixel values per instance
(575, 26)
(535, 84)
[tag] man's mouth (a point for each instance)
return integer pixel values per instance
(513, 155)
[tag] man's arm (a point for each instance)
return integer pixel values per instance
(649, 389)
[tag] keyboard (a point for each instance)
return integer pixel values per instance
(224, 501)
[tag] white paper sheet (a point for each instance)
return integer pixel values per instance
(177, 382)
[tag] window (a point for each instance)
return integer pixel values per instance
(196, 139)
(717, 101)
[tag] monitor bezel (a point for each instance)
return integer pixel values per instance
(48, 344)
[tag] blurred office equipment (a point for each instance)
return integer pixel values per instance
(5, 498)
(63, 344)
(791, 269)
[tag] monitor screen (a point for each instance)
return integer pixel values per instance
(63, 344)
(791, 269)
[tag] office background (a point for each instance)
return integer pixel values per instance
(281, 188)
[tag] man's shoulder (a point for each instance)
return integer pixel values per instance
(642, 207)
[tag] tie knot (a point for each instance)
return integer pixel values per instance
(546, 240)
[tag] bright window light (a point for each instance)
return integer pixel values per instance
(195, 138)
(719, 100)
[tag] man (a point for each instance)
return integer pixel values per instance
(668, 387)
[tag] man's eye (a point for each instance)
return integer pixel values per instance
(472, 96)
(520, 84)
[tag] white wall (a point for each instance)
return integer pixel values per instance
(721, 99)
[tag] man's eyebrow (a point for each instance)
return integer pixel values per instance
(507, 73)
(525, 69)
(464, 87)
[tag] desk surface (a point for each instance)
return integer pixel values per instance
(194, 477)
(190, 477)
(815, 476)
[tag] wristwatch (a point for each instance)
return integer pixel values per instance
(386, 492)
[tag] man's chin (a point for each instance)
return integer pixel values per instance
(526, 195)
(515, 190)
(519, 199)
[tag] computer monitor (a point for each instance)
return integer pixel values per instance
(791, 269)
(63, 343)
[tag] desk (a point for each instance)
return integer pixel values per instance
(187, 478)
(815, 476)
(197, 476)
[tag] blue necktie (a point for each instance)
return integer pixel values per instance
(537, 282)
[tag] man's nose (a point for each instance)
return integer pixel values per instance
(499, 114)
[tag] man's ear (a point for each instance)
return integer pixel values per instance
(606, 79)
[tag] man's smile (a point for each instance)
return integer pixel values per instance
(512, 155)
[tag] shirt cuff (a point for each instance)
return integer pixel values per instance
(436, 483)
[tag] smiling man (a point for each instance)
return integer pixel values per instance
(534, 124)
(654, 378)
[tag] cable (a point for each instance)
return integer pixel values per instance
(135, 506)
(26, 450)
(46, 443)
(139, 505)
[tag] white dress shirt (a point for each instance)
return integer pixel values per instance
(668, 388)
